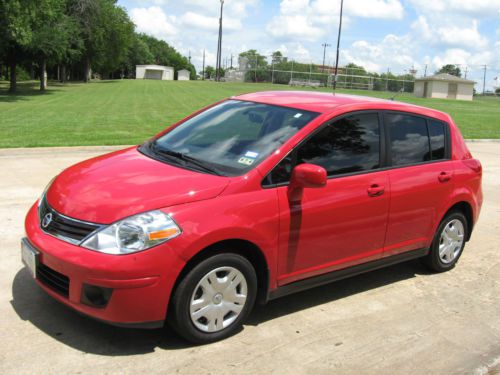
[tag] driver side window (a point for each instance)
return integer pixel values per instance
(348, 145)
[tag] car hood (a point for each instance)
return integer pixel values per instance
(113, 186)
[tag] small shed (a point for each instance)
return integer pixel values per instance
(183, 75)
(161, 72)
(444, 86)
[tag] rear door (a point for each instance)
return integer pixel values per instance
(421, 179)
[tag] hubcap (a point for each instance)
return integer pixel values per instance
(218, 299)
(451, 240)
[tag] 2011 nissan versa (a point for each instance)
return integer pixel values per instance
(250, 199)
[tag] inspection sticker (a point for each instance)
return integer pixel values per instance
(251, 154)
(298, 115)
(246, 161)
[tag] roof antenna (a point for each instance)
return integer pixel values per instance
(396, 94)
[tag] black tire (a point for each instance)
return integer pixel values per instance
(180, 317)
(433, 260)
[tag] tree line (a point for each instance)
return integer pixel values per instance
(76, 40)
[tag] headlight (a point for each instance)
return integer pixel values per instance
(135, 233)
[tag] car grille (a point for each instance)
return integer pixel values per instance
(53, 279)
(63, 227)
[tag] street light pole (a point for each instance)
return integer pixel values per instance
(338, 46)
(219, 45)
(324, 45)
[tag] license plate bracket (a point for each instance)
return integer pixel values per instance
(30, 256)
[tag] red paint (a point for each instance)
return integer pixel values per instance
(314, 225)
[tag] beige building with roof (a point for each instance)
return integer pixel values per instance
(444, 86)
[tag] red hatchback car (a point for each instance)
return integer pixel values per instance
(250, 199)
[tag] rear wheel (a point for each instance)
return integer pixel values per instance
(214, 298)
(448, 243)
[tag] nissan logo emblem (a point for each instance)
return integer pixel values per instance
(47, 219)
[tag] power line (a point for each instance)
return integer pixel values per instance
(484, 79)
(324, 45)
(219, 44)
(338, 46)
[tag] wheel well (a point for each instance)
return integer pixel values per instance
(244, 248)
(466, 209)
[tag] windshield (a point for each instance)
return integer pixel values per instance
(230, 138)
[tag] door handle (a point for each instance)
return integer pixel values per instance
(444, 177)
(375, 190)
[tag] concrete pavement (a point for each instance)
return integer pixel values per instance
(400, 320)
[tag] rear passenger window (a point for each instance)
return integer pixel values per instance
(437, 136)
(348, 145)
(409, 139)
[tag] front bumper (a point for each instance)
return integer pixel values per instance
(141, 283)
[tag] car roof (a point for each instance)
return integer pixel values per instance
(324, 102)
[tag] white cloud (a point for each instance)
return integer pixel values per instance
(296, 26)
(309, 20)
(382, 9)
(200, 21)
(153, 21)
(421, 28)
(392, 52)
(461, 36)
(445, 8)
(448, 35)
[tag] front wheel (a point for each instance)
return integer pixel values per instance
(448, 243)
(214, 298)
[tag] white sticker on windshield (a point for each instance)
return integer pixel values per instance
(251, 154)
(246, 161)
(298, 115)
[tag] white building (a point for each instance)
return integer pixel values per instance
(444, 86)
(165, 73)
(183, 75)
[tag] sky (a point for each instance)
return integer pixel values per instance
(378, 34)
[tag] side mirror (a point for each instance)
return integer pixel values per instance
(305, 176)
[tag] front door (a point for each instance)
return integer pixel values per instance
(344, 223)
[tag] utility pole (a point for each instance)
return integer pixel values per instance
(425, 71)
(189, 57)
(484, 79)
(387, 79)
(466, 70)
(324, 45)
(203, 71)
(231, 61)
(219, 45)
(338, 46)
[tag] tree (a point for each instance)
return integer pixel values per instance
(119, 38)
(254, 59)
(450, 69)
(15, 33)
(138, 54)
(88, 15)
(277, 57)
(209, 71)
(52, 35)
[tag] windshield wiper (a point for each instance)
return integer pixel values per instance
(186, 158)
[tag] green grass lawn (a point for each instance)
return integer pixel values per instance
(129, 111)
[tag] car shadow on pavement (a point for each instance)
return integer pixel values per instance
(336, 290)
(82, 333)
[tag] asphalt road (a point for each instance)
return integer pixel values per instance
(400, 320)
